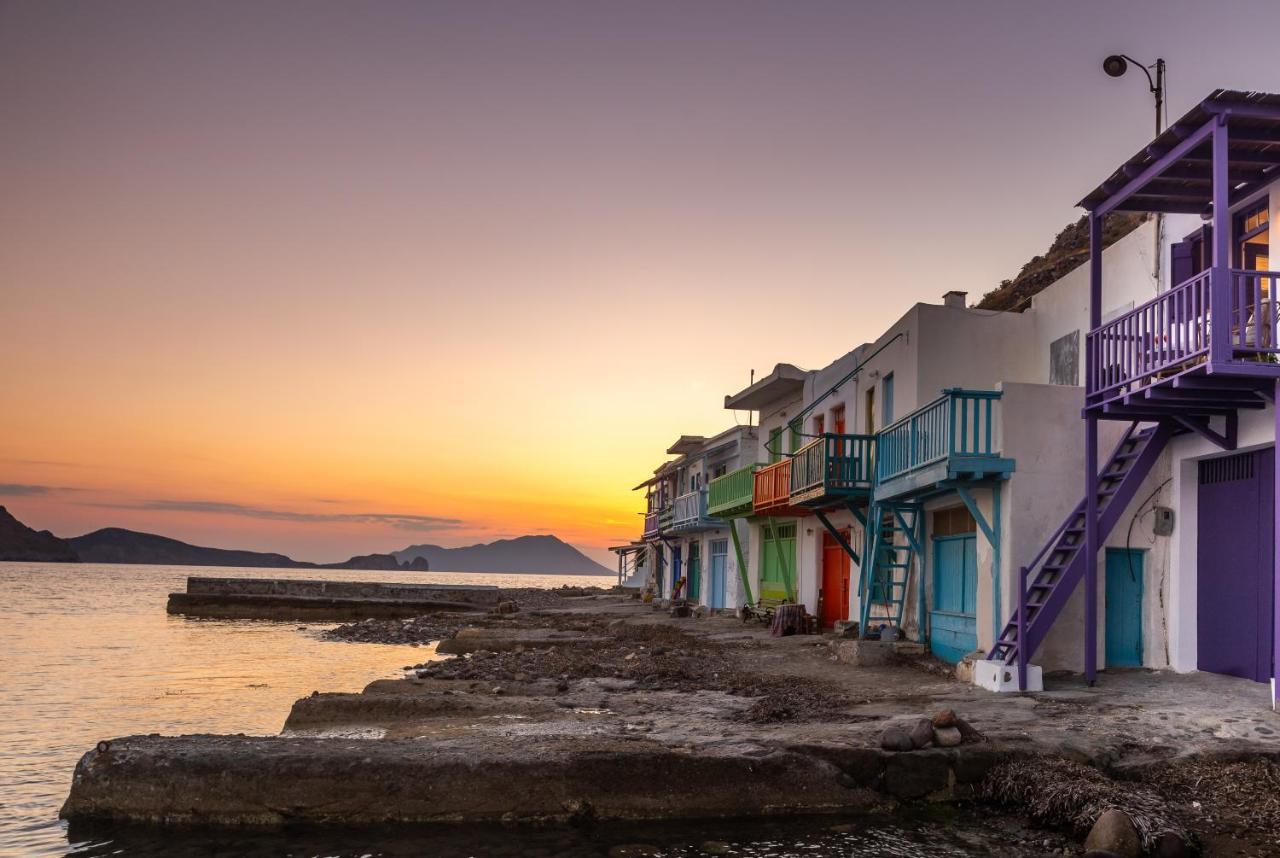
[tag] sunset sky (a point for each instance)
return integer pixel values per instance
(332, 278)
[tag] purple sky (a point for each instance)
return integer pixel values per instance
(428, 258)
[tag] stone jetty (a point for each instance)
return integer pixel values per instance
(317, 600)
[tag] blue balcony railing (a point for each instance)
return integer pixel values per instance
(958, 424)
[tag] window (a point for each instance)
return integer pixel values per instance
(837, 420)
(953, 522)
(871, 411)
(887, 405)
(1253, 242)
(719, 470)
(1064, 359)
(819, 424)
(775, 445)
(796, 435)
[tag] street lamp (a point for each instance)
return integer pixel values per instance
(1117, 64)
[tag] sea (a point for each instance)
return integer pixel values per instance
(87, 652)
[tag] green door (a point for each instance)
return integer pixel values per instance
(1124, 608)
(778, 561)
(695, 571)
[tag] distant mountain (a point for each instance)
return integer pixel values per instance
(117, 545)
(543, 554)
(19, 542)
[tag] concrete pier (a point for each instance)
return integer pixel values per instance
(318, 600)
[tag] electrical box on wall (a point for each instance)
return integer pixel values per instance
(1163, 524)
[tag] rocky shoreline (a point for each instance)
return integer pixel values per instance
(595, 708)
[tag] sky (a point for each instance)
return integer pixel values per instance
(330, 278)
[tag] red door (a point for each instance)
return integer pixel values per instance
(835, 580)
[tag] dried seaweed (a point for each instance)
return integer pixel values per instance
(1057, 792)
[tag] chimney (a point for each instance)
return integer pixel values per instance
(954, 298)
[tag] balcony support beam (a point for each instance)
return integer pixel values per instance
(1220, 284)
(742, 563)
(1155, 169)
(1200, 425)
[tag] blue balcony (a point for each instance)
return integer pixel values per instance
(689, 513)
(951, 439)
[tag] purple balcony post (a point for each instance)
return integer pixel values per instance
(1022, 629)
(1091, 465)
(1220, 285)
(1275, 640)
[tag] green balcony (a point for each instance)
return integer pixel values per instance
(730, 496)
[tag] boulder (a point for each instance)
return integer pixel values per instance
(944, 718)
(507, 607)
(896, 739)
(1114, 832)
(680, 611)
(946, 737)
(922, 733)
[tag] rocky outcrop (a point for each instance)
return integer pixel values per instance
(21, 543)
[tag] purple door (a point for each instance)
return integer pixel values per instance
(1236, 565)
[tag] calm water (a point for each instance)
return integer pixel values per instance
(87, 652)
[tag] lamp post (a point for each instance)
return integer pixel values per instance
(1117, 64)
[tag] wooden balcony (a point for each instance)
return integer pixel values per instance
(731, 496)
(1170, 340)
(656, 520)
(951, 438)
(689, 513)
(771, 490)
(832, 469)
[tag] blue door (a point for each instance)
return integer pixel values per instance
(953, 622)
(719, 566)
(1124, 608)
(676, 571)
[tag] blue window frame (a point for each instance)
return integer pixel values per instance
(887, 405)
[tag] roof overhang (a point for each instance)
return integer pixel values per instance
(785, 380)
(1174, 173)
(686, 444)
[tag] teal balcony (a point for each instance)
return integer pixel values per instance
(833, 469)
(951, 438)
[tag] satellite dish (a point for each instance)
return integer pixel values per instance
(1115, 65)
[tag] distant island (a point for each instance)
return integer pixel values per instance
(535, 554)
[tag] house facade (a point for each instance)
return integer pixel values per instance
(686, 544)
(1087, 484)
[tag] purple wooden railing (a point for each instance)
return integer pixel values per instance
(1253, 313)
(1172, 331)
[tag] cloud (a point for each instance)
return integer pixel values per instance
(397, 520)
(23, 490)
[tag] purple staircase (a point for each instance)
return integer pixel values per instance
(1059, 566)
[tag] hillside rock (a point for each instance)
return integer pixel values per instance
(19, 542)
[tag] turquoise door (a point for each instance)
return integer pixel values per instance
(953, 624)
(1124, 608)
(719, 567)
(694, 572)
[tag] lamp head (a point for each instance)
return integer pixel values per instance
(1115, 65)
